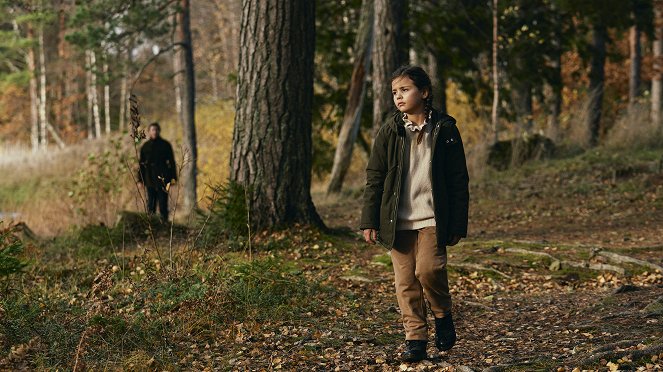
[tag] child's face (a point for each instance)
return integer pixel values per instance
(407, 97)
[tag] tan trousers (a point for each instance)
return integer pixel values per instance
(420, 268)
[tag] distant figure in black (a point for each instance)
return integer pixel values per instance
(157, 170)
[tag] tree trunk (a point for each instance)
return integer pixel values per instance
(387, 55)
(177, 73)
(521, 96)
(214, 76)
(128, 59)
(555, 85)
(496, 90)
(356, 94)
(88, 91)
(636, 63)
(596, 82)
(177, 81)
(62, 104)
(43, 113)
(189, 168)
(43, 117)
(34, 94)
(107, 121)
(93, 93)
(123, 99)
(556, 98)
(271, 153)
(438, 79)
(657, 73)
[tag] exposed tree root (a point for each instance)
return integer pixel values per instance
(616, 257)
(599, 354)
(580, 264)
(595, 266)
(478, 267)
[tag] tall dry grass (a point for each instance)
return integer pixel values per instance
(634, 129)
(49, 210)
(51, 191)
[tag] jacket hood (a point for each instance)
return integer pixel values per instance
(397, 124)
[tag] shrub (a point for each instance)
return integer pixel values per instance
(265, 289)
(96, 190)
(10, 249)
(226, 218)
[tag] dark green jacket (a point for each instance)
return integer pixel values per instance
(449, 180)
(157, 163)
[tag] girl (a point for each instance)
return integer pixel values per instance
(416, 204)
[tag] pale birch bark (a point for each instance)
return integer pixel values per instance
(31, 62)
(95, 97)
(88, 91)
(107, 121)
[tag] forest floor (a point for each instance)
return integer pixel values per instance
(535, 286)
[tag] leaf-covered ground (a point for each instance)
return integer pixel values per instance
(534, 287)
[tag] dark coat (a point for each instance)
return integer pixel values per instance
(449, 180)
(157, 163)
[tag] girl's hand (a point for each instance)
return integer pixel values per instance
(453, 240)
(370, 236)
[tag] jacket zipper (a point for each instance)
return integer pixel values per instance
(394, 217)
(430, 170)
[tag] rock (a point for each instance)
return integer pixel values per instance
(655, 308)
(356, 278)
(504, 154)
(555, 265)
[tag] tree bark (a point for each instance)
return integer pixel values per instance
(107, 121)
(214, 76)
(177, 80)
(43, 117)
(657, 73)
(555, 84)
(556, 98)
(356, 94)
(636, 63)
(387, 55)
(34, 94)
(189, 168)
(521, 95)
(496, 90)
(596, 82)
(124, 91)
(123, 97)
(88, 91)
(271, 154)
(43, 113)
(438, 79)
(93, 93)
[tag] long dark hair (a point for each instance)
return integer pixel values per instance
(421, 81)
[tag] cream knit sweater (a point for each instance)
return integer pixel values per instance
(415, 205)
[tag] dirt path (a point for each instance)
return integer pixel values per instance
(537, 319)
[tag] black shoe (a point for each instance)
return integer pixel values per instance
(445, 332)
(415, 350)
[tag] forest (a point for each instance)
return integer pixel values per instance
(259, 131)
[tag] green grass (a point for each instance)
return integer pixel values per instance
(383, 259)
(141, 311)
(18, 193)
